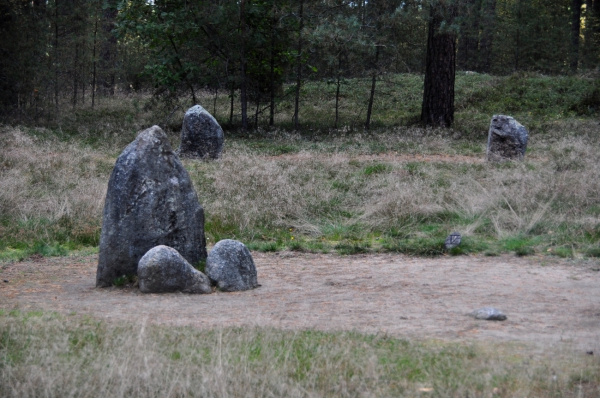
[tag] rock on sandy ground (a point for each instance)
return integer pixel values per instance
(547, 301)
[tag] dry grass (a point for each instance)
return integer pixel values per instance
(43, 354)
(325, 186)
(49, 187)
(374, 189)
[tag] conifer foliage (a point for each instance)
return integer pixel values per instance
(61, 54)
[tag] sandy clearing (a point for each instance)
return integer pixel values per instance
(547, 301)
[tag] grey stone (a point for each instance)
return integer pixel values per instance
(488, 314)
(201, 135)
(452, 241)
(507, 139)
(164, 270)
(150, 201)
(230, 266)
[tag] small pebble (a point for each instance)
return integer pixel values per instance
(488, 314)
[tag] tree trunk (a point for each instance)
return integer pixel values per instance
(487, 35)
(438, 95)
(272, 61)
(373, 82)
(468, 41)
(592, 32)
(256, 111)
(108, 51)
(518, 36)
(75, 70)
(82, 73)
(56, 58)
(189, 84)
(575, 30)
(337, 91)
(243, 88)
(299, 67)
(231, 97)
(94, 62)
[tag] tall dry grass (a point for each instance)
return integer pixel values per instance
(337, 188)
(47, 184)
(46, 355)
(557, 185)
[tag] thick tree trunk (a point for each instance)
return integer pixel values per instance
(575, 30)
(487, 35)
(438, 95)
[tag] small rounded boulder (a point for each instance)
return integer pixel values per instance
(162, 269)
(230, 266)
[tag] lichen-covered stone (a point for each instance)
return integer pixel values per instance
(201, 135)
(507, 139)
(230, 266)
(488, 314)
(164, 270)
(150, 201)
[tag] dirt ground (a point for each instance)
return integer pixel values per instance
(547, 301)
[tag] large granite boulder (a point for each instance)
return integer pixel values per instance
(230, 266)
(201, 135)
(507, 139)
(150, 201)
(164, 270)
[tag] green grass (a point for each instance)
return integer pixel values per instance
(46, 354)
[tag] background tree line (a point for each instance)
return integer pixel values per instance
(260, 52)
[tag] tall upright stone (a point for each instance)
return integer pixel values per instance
(507, 139)
(201, 135)
(150, 201)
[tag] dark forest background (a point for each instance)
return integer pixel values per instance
(59, 55)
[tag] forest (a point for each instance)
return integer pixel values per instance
(57, 56)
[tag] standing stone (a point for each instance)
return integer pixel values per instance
(163, 270)
(230, 266)
(201, 135)
(507, 139)
(150, 201)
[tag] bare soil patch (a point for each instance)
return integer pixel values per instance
(547, 301)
